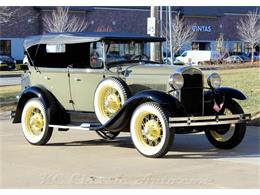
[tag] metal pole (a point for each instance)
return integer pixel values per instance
(161, 22)
(166, 32)
(153, 48)
(170, 33)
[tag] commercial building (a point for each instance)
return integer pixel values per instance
(208, 22)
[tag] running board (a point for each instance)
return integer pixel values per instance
(82, 126)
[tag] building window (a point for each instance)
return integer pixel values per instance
(5, 47)
(195, 46)
(201, 46)
(237, 47)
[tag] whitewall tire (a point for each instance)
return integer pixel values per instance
(35, 122)
(150, 130)
(110, 96)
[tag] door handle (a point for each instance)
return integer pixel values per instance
(46, 78)
(77, 79)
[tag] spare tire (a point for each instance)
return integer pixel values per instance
(110, 95)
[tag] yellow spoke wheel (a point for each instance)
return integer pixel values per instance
(35, 122)
(230, 135)
(150, 130)
(110, 96)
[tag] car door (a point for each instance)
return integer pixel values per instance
(56, 81)
(84, 78)
(83, 85)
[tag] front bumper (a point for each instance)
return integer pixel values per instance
(208, 120)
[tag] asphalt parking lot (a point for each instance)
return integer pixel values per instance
(77, 159)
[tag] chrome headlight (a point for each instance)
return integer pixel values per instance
(214, 80)
(176, 81)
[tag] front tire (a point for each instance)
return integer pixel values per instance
(150, 130)
(228, 136)
(35, 122)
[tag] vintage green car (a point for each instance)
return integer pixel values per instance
(106, 82)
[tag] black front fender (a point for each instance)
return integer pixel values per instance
(123, 116)
(227, 92)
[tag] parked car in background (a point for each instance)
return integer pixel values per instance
(245, 58)
(7, 62)
(233, 59)
(199, 57)
(256, 56)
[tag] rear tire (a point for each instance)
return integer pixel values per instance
(150, 130)
(35, 122)
(232, 135)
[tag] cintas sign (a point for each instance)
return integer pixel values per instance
(202, 28)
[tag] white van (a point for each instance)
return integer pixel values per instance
(198, 57)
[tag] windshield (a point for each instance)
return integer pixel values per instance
(130, 51)
(184, 54)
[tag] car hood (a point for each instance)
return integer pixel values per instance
(149, 69)
(153, 76)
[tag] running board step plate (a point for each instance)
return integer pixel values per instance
(82, 126)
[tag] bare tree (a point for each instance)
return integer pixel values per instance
(182, 33)
(221, 47)
(104, 29)
(6, 14)
(61, 21)
(249, 30)
(220, 43)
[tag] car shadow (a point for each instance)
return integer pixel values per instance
(188, 146)
(124, 142)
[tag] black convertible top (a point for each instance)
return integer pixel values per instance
(82, 37)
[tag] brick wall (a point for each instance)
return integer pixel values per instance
(28, 21)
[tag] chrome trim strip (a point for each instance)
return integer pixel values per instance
(189, 70)
(72, 70)
(71, 127)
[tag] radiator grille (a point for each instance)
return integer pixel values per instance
(192, 94)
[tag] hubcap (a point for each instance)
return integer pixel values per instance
(150, 130)
(111, 102)
(34, 121)
(226, 132)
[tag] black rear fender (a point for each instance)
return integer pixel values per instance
(50, 103)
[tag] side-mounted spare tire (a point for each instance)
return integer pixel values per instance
(110, 95)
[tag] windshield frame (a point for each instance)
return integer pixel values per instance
(106, 45)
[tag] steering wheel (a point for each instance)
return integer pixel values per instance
(141, 57)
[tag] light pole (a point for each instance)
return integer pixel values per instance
(153, 46)
(170, 33)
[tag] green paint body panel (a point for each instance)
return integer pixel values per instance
(79, 85)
